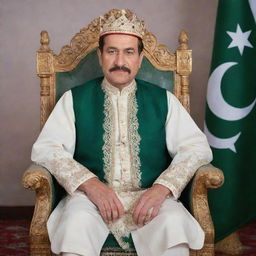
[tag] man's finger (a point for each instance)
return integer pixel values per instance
(114, 211)
(144, 214)
(136, 211)
(149, 216)
(103, 213)
(108, 211)
(120, 207)
(155, 212)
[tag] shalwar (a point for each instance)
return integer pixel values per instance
(76, 226)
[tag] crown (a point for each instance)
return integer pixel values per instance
(121, 22)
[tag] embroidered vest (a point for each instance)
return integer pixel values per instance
(89, 101)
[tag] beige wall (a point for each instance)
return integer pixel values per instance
(20, 24)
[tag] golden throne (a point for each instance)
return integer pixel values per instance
(59, 73)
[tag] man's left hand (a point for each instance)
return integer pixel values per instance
(149, 204)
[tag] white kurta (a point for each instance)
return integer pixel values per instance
(186, 144)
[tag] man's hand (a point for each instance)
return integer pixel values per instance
(149, 204)
(104, 198)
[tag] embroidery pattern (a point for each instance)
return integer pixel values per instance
(134, 140)
(108, 138)
(181, 170)
(66, 170)
(123, 227)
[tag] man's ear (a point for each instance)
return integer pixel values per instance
(99, 56)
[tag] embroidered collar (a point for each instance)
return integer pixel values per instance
(114, 90)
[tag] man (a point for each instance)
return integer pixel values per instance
(109, 143)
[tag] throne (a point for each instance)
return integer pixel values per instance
(59, 73)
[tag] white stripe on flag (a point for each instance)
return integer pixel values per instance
(253, 7)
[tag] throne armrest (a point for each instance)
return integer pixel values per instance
(36, 177)
(207, 176)
(39, 179)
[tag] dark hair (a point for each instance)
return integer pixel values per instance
(140, 44)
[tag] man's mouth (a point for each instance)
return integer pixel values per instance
(122, 68)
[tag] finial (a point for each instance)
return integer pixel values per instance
(183, 40)
(45, 40)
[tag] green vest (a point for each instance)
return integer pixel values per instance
(88, 104)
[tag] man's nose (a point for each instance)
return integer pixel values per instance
(120, 60)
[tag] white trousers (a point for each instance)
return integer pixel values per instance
(75, 226)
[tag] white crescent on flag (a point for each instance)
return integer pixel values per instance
(219, 143)
(215, 100)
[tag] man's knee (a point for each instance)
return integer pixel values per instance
(82, 218)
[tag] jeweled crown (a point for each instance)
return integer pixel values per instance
(121, 22)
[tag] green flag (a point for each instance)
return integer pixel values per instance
(230, 123)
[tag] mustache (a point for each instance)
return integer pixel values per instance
(120, 68)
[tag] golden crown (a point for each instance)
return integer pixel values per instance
(121, 22)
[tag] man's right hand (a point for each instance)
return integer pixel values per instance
(104, 198)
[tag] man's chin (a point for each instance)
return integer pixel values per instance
(120, 84)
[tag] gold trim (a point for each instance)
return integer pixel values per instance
(134, 140)
(108, 138)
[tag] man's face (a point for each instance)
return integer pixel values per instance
(120, 51)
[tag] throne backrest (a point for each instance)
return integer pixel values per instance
(78, 63)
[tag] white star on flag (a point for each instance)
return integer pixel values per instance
(239, 39)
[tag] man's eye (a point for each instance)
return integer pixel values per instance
(111, 51)
(130, 52)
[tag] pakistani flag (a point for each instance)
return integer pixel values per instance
(231, 115)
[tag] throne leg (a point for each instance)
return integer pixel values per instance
(230, 245)
(40, 246)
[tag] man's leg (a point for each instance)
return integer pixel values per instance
(173, 226)
(76, 226)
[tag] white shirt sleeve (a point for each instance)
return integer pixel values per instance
(55, 146)
(187, 145)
